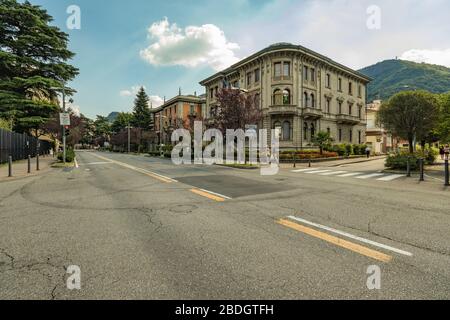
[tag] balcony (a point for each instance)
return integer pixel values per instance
(283, 109)
(312, 113)
(347, 119)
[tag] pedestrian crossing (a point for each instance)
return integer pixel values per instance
(378, 176)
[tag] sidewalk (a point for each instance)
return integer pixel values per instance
(20, 168)
(334, 163)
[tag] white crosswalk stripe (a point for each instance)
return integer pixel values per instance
(368, 176)
(317, 171)
(391, 177)
(303, 170)
(332, 173)
(378, 176)
(352, 174)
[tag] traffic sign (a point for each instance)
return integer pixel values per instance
(64, 119)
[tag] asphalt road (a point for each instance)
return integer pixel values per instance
(142, 228)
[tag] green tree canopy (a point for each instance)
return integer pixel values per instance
(322, 139)
(33, 59)
(141, 112)
(410, 115)
(122, 121)
(444, 121)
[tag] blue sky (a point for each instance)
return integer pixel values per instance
(164, 45)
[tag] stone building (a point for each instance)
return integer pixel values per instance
(175, 113)
(300, 92)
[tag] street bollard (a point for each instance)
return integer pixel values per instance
(29, 164)
(37, 161)
(309, 163)
(10, 166)
(408, 168)
(447, 178)
(295, 158)
(422, 176)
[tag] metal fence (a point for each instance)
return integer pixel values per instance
(19, 146)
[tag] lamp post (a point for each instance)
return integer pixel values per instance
(129, 137)
(63, 93)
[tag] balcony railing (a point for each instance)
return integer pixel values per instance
(348, 119)
(312, 113)
(283, 109)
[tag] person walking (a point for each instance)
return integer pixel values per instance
(447, 151)
(441, 152)
(368, 152)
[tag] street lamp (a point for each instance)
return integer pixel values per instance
(129, 138)
(63, 92)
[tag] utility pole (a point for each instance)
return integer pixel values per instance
(129, 138)
(63, 127)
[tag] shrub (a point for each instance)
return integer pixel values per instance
(349, 149)
(399, 161)
(70, 155)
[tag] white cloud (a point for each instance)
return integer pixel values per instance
(75, 109)
(130, 92)
(154, 100)
(191, 47)
(338, 28)
(441, 57)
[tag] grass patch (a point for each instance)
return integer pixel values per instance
(63, 165)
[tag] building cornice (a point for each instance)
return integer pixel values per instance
(287, 47)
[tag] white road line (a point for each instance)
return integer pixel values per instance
(303, 170)
(216, 194)
(95, 163)
(318, 171)
(352, 174)
(348, 235)
(332, 173)
(391, 177)
(368, 176)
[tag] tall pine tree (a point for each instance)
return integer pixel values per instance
(33, 59)
(141, 112)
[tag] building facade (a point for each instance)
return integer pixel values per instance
(178, 112)
(300, 92)
(377, 138)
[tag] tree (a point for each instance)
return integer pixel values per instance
(323, 139)
(123, 120)
(410, 115)
(33, 59)
(102, 132)
(444, 117)
(5, 124)
(141, 112)
(236, 110)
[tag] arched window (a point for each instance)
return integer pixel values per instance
(305, 131)
(277, 127)
(313, 101)
(277, 97)
(257, 100)
(305, 99)
(286, 96)
(313, 130)
(286, 131)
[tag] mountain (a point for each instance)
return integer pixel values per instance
(393, 76)
(112, 116)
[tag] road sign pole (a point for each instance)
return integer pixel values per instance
(447, 179)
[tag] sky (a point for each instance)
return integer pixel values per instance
(166, 45)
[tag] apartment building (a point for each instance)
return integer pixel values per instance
(377, 138)
(177, 112)
(300, 92)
